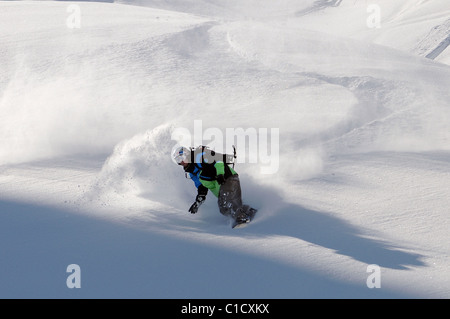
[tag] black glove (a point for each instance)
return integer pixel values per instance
(198, 201)
(220, 179)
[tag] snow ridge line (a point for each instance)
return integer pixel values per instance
(439, 49)
(435, 42)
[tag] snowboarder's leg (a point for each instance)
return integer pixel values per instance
(230, 198)
(230, 202)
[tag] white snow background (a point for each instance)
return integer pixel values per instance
(87, 114)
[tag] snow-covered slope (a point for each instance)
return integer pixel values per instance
(416, 26)
(87, 127)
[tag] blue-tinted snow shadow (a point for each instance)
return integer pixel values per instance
(277, 217)
(328, 231)
(37, 244)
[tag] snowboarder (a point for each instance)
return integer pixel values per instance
(210, 171)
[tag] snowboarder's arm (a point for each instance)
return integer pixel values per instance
(195, 179)
(201, 190)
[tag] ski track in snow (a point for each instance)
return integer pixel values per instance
(365, 180)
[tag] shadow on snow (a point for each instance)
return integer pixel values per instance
(37, 244)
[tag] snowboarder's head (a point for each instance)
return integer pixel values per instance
(181, 156)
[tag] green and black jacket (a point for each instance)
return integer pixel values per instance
(203, 169)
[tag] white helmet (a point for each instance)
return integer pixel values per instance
(181, 154)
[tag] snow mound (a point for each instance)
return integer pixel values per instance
(100, 78)
(377, 108)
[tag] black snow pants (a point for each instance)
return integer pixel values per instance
(230, 198)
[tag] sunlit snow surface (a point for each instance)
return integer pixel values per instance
(87, 124)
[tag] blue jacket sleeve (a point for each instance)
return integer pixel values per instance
(201, 190)
(195, 179)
